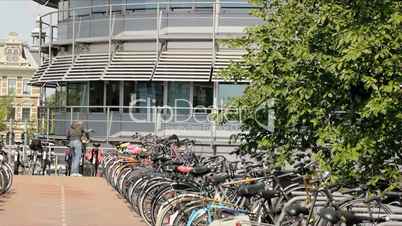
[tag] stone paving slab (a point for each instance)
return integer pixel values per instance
(64, 201)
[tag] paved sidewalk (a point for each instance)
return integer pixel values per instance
(64, 201)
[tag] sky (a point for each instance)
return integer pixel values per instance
(19, 16)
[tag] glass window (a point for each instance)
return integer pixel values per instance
(63, 10)
(180, 4)
(203, 4)
(235, 4)
(77, 94)
(61, 94)
(100, 6)
(179, 96)
(229, 91)
(73, 94)
(117, 5)
(203, 95)
(149, 94)
(12, 85)
(96, 95)
(83, 5)
(11, 114)
(26, 89)
(140, 4)
(113, 94)
(129, 94)
(26, 114)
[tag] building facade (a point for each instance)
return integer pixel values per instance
(140, 62)
(17, 66)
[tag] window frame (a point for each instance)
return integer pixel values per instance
(12, 110)
(24, 86)
(29, 115)
(8, 86)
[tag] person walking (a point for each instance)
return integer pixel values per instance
(74, 134)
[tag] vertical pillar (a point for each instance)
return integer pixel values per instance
(40, 40)
(108, 124)
(48, 123)
(50, 36)
(165, 92)
(110, 30)
(73, 37)
(158, 27)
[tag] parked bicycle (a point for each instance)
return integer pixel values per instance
(165, 188)
(6, 172)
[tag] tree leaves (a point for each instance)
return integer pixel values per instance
(334, 70)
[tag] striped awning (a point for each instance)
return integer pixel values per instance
(131, 65)
(223, 59)
(184, 66)
(87, 67)
(170, 65)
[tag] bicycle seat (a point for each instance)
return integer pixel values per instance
(96, 145)
(200, 171)
(296, 210)
(330, 215)
(251, 189)
(184, 169)
(217, 179)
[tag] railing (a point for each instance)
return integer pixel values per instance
(118, 122)
(152, 21)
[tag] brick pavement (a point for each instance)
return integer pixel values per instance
(64, 201)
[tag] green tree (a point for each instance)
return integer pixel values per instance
(333, 68)
(5, 105)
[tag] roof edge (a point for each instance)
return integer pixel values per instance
(49, 3)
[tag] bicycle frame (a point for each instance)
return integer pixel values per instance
(208, 210)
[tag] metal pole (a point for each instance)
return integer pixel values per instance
(24, 141)
(213, 32)
(110, 32)
(50, 37)
(71, 115)
(40, 40)
(107, 124)
(48, 123)
(158, 27)
(73, 50)
(56, 163)
(155, 120)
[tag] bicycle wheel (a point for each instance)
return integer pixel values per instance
(9, 174)
(3, 181)
(146, 200)
(170, 208)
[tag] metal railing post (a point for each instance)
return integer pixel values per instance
(214, 22)
(213, 131)
(156, 120)
(73, 37)
(158, 27)
(71, 115)
(110, 31)
(48, 123)
(56, 164)
(40, 40)
(50, 37)
(108, 124)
